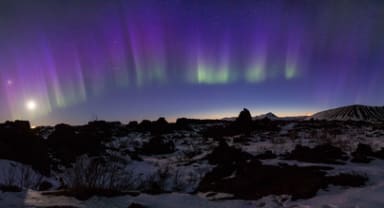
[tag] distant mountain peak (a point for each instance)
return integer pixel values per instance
(352, 112)
(268, 115)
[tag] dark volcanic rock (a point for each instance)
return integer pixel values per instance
(44, 186)
(158, 145)
(18, 143)
(161, 122)
(379, 154)
(145, 125)
(67, 142)
(255, 181)
(244, 117)
(226, 155)
(133, 124)
(319, 154)
(266, 125)
(103, 129)
(266, 155)
(22, 125)
(242, 125)
(10, 188)
(363, 154)
(252, 181)
(244, 121)
(351, 180)
(228, 160)
(136, 205)
(160, 126)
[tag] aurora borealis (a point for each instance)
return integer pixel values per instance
(72, 61)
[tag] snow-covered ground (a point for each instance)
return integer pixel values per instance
(184, 168)
(370, 196)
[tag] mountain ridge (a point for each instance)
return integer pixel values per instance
(352, 112)
(269, 115)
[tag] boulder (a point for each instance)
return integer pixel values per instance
(251, 181)
(319, 154)
(68, 142)
(158, 145)
(19, 143)
(226, 155)
(136, 205)
(362, 154)
(244, 118)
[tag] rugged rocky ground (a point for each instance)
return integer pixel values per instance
(193, 163)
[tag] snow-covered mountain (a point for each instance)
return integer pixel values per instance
(269, 115)
(352, 112)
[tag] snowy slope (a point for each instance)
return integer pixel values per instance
(353, 112)
(269, 116)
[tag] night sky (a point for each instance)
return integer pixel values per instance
(74, 61)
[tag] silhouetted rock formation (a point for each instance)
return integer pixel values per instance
(380, 154)
(160, 126)
(226, 155)
(244, 118)
(243, 122)
(133, 124)
(242, 125)
(266, 125)
(252, 181)
(161, 122)
(45, 185)
(365, 154)
(18, 143)
(68, 142)
(158, 145)
(319, 154)
(362, 154)
(22, 125)
(183, 121)
(145, 125)
(136, 205)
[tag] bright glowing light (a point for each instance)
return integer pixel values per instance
(290, 72)
(9, 82)
(31, 105)
(256, 74)
(206, 75)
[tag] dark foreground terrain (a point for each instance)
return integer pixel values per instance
(269, 161)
